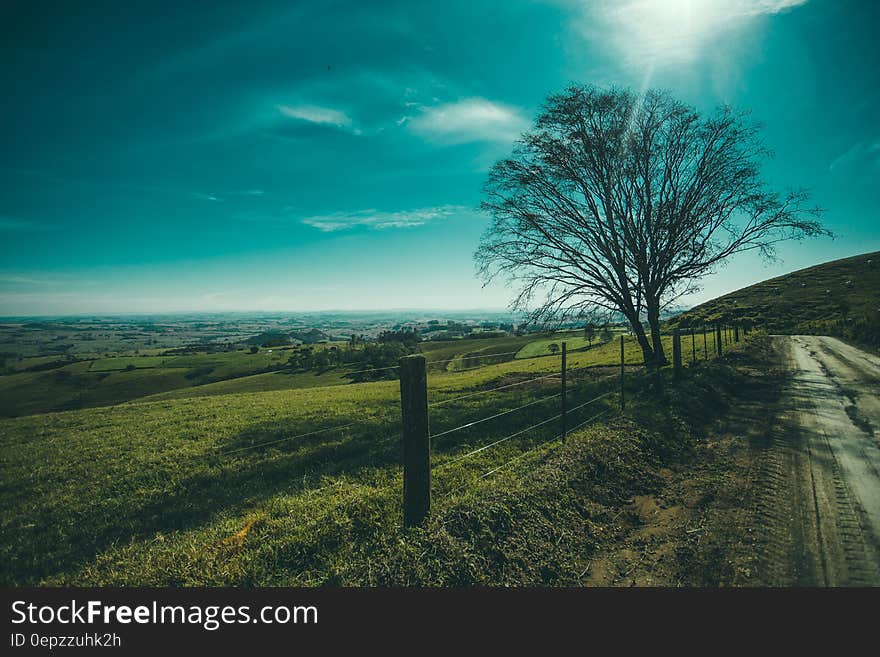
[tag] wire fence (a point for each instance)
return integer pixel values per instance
(524, 416)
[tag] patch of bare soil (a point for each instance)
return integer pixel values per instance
(692, 532)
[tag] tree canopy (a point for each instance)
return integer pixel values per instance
(620, 203)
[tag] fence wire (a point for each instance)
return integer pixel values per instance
(497, 442)
(286, 438)
(495, 389)
(496, 415)
(521, 456)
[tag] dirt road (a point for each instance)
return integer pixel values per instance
(821, 505)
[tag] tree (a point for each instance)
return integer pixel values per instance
(620, 203)
(553, 347)
(590, 332)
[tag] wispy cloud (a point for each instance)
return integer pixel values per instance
(42, 279)
(861, 152)
(467, 120)
(381, 220)
(220, 197)
(316, 114)
(207, 197)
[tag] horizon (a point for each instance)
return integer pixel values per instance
(380, 311)
(231, 168)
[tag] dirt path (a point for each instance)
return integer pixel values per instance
(820, 477)
(783, 491)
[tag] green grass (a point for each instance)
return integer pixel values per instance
(22, 364)
(841, 297)
(470, 352)
(573, 341)
(268, 381)
(107, 381)
(150, 491)
(120, 363)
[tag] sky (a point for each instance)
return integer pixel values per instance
(262, 155)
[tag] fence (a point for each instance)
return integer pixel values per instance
(417, 436)
(418, 464)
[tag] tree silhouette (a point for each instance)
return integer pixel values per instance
(620, 203)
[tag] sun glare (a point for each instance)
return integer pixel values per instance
(673, 32)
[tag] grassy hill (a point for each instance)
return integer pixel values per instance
(150, 490)
(49, 384)
(841, 297)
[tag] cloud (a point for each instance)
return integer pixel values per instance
(315, 114)
(468, 120)
(860, 153)
(224, 196)
(380, 220)
(207, 197)
(43, 279)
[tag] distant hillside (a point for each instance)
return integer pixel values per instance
(841, 297)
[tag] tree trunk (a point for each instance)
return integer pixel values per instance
(641, 336)
(656, 337)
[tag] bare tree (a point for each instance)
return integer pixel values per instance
(590, 332)
(620, 203)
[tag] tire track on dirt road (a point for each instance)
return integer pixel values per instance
(820, 481)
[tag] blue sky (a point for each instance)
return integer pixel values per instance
(330, 155)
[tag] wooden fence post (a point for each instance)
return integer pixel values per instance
(622, 390)
(736, 332)
(693, 345)
(416, 440)
(676, 353)
(705, 344)
(564, 382)
(718, 349)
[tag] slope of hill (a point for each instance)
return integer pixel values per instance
(88, 482)
(841, 297)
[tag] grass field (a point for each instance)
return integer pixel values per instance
(123, 362)
(107, 381)
(156, 491)
(574, 341)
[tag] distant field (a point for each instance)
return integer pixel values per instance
(108, 381)
(573, 341)
(121, 363)
(266, 382)
(456, 349)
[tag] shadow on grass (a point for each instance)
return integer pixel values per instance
(51, 543)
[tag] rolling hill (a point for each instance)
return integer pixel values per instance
(841, 298)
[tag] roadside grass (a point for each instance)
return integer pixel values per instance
(150, 492)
